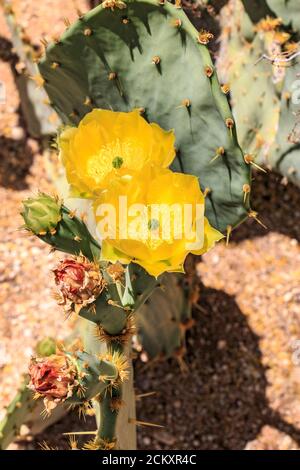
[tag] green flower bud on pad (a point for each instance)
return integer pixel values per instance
(46, 347)
(41, 214)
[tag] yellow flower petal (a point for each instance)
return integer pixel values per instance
(109, 253)
(107, 144)
(163, 151)
(211, 237)
(151, 246)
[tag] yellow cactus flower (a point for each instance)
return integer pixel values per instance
(107, 144)
(153, 218)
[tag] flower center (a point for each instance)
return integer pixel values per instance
(117, 162)
(153, 224)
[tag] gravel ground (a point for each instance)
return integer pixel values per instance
(243, 382)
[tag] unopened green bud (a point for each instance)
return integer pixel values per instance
(41, 214)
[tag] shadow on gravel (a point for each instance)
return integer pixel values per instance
(221, 403)
(278, 207)
(15, 155)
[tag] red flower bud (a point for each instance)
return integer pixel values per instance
(53, 378)
(79, 282)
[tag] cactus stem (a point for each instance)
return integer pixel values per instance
(122, 338)
(116, 403)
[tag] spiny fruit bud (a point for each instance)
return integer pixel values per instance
(41, 214)
(53, 378)
(79, 282)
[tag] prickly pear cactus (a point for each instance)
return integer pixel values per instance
(40, 119)
(263, 90)
(123, 56)
(285, 156)
(255, 89)
(146, 54)
(112, 316)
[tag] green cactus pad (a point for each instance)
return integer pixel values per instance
(148, 56)
(255, 96)
(160, 320)
(97, 376)
(285, 155)
(263, 95)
